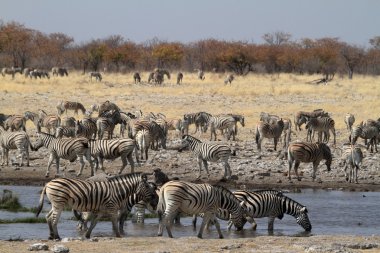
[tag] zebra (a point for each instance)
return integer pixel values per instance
(14, 140)
(64, 131)
(112, 149)
(97, 197)
(26, 72)
(229, 79)
(38, 73)
(143, 139)
(267, 130)
(68, 149)
(190, 198)
(200, 74)
(308, 152)
(157, 133)
(15, 123)
(11, 71)
(59, 71)
(86, 128)
(97, 75)
(365, 132)
(221, 123)
(106, 123)
(321, 125)
(179, 77)
(301, 117)
(64, 106)
(269, 118)
(68, 121)
(200, 119)
(43, 120)
(209, 152)
(151, 77)
(272, 204)
(107, 106)
(136, 77)
(349, 120)
(352, 156)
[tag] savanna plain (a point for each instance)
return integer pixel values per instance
(282, 95)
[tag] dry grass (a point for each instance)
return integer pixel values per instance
(282, 94)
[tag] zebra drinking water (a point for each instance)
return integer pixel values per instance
(190, 198)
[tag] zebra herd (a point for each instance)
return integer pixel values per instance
(115, 196)
(92, 139)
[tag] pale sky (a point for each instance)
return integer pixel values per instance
(353, 21)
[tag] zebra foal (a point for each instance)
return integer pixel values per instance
(352, 157)
(209, 152)
(307, 152)
(190, 198)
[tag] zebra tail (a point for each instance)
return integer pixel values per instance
(41, 203)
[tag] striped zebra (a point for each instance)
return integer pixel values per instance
(106, 123)
(97, 75)
(308, 153)
(301, 117)
(59, 71)
(68, 121)
(179, 77)
(136, 77)
(269, 118)
(267, 130)
(229, 79)
(143, 139)
(15, 123)
(200, 119)
(107, 106)
(62, 131)
(14, 140)
(64, 106)
(11, 71)
(220, 123)
(38, 73)
(86, 128)
(272, 205)
(320, 125)
(42, 119)
(68, 149)
(211, 152)
(96, 197)
(151, 77)
(112, 149)
(190, 198)
(352, 157)
(349, 120)
(365, 132)
(157, 133)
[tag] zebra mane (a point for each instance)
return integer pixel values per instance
(127, 176)
(285, 200)
(191, 138)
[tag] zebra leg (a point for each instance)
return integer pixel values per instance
(205, 164)
(55, 215)
(315, 166)
(356, 173)
(21, 154)
(206, 219)
(81, 161)
(200, 167)
(347, 175)
(122, 218)
(227, 170)
(271, 223)
(49, 222)
(217, 225)
(6, 156)
(115, 224)
(252, 221)
(94, 220)
(27, 154)
(194, 221)
(296, 165)
(275, 140)
(88, 158)
(51, 158)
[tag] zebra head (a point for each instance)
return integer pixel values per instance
(146, 191)
(238, 217)
(326, 155)
(40, 141)
(303, 219)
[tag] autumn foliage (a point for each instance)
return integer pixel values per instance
(24, 47)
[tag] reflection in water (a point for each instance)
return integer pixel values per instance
(330, 212)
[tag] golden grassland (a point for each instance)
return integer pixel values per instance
(282, 94)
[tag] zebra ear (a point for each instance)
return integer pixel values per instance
(303, 209)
